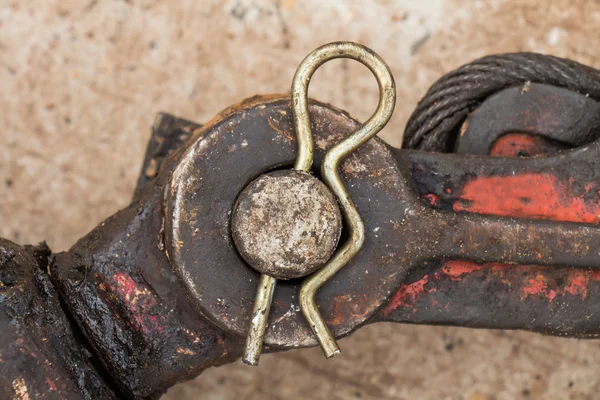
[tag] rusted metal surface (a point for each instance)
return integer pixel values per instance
(430, 222)
(168, 134)
(552, 298)
(557, 300)
(286, 224)
(157, 293)
(258, 136)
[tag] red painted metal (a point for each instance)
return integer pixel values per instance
(521, 145)
(538, 196)
(533, 282)
(527, 195)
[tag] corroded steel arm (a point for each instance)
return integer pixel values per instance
(158, 292)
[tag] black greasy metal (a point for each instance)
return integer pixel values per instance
(168, 134)
(561, 116)
(253, 138)
(119, 287)
(122, 311)
(42, 354)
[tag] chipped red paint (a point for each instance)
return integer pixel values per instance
(577, 283)
(407, 295)
(538, 286)
(526, 195)
(538, 196)
(580, 281)
(340, 303)
(521, 145)
(535, 281)
(432, 200)
(345, 305)
(456, 269)
(138, 299)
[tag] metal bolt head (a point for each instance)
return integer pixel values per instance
(286, 224)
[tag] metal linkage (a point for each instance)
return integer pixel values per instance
(158, 292)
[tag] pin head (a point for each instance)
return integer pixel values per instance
(286, 224)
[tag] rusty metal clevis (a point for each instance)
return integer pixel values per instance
(285, 223)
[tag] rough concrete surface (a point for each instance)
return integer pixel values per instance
(81, 82)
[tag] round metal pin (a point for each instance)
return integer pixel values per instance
(286, 224)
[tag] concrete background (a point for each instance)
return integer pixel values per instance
(81, 82)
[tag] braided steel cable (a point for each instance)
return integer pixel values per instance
(434, 124)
